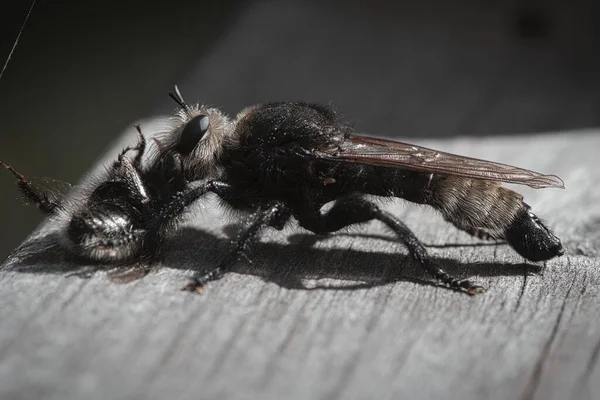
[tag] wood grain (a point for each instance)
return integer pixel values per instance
(347, 316)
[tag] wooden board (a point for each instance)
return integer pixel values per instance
(369, 324)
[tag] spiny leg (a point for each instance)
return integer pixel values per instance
(353, 210)
(275, 215)
(180, 202)
(130, 170)
(419, 253)
(46, 198)
(140, 148)
(169, 214)
(134, 181)
(128, 273)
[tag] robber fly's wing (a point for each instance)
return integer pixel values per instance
(375, 151)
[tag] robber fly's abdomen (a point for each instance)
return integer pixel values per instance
(340, 179)
(467, 203)
(475, 203)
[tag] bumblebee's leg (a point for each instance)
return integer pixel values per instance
(130, 170)
(45, 198)
(140, 147)
(134, 181)
(353, 210)
(128, 273)
(275, 215)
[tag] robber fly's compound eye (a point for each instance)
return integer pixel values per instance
(192, 133)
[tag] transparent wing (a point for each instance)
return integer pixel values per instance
(52, 189)
(375, 151)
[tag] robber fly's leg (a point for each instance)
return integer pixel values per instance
(419, 253)
(40, 196)
(353, 210)
(178, 205)
(275, 215)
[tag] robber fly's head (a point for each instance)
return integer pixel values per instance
(197, 136)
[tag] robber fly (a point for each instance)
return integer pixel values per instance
(282, 161)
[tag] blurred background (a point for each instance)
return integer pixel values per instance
(84, 71)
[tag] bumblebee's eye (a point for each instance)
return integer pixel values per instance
(192, 133)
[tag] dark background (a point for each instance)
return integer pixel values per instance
(84, 71)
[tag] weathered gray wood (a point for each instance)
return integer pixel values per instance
(371, 326)
(535, 334)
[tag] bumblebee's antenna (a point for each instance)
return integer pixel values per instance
(179, 100)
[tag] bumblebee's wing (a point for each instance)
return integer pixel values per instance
(375, 151)
(46, 193)
(51, 189)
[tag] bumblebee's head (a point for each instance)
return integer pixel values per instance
(197, 135)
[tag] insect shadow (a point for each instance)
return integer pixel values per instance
(287, 265)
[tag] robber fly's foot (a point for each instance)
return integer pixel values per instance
(464, 285)
(194, 286)
(467, 287)
(198, 282)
